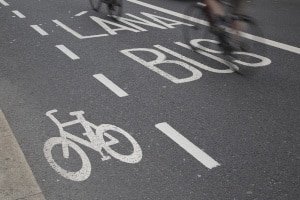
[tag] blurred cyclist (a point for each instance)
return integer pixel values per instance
(217, 18)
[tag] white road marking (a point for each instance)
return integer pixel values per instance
(81, 13)
(20, 15)
(194, 62)
(192, 149)
(4, 3)
(39, 30)
(79, 36)
(161, 59)
(199, 21)
(112, 86)
(201, 4)
(96, 142)
(67, 51)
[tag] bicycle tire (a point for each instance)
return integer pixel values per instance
(134, 157)
(81, 174)
(96, 5)
(248, 37)
(115, 10)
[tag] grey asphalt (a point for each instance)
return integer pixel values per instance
(16, 178)
(249, 123)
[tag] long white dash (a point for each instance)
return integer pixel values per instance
(112, 86)
(67, 51)
(81, 13)
(192, 149)
(4, 3)
(20, 15)
(39, 30)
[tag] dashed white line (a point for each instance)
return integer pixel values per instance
(39, 30)
(4, 3)
(81, 13)
(112, 86)
(67, 51)
(192, 149)
(20, 15)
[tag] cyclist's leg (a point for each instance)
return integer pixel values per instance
(239, 8)
(215, 7)
(215, 11)
(218, 15)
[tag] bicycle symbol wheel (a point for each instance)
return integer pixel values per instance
(79, 175)
(134, 157)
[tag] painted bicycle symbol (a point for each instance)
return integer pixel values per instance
(96, 142)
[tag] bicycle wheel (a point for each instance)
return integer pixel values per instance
(96, 5)
(115, 9)
(247, 41)
(79, 175)
(134, 157)
(200, 29)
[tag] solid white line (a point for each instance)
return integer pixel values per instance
(112, 86)
(192, 149)
(199, 21)
(4, 3)
(20, 15)
(39, 30)
(81, 13)
(67, 51)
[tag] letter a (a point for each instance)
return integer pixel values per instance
(103, 23)
(159, 20)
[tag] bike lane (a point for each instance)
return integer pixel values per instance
(152, 99)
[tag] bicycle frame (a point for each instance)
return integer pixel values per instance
(93, 143)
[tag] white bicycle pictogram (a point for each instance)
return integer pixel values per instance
(96, 142)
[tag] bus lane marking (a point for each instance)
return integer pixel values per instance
(4, 3)
(203, 22)
(129, 24)
(110, 85)
(183, 142)
(19, 14)
(67, 51)
(39, 30)
(160, 60)
(194, 62)
(76, 34)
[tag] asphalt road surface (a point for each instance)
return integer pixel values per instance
(176, 124)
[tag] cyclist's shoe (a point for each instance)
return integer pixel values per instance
(111, 7)
(232, 66)
(244, 47)
(227, 48)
